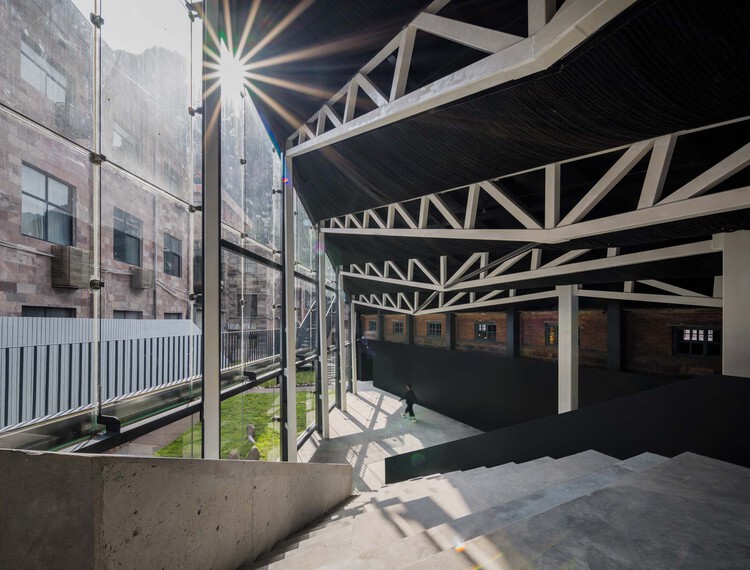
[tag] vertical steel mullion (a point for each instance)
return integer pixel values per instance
(289, 322)
(211, 349)
(322, 384)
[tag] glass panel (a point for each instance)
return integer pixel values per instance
(48, 76)
(33, 218)
(146, 127)
(58, 193)
(33, 182)
(46, 356)
(305, 399)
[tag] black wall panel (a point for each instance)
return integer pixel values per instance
(489, 391)
(708, 415)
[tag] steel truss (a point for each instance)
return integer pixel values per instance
(427, 290)
(551, 36)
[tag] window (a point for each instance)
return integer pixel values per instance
(173, 316)
(485, 331)
(372, 326)
(551, 333)
(49, 312)
(128, 231)
(434, 329)
(46, 206)
(172, 256)
(135, 315)
(37, 72)
(123, 141)
(398, 327)
(697, 341)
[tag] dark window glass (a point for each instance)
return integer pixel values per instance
(46, 207)
(485, 331)
(173, 316)
(172, 256)
(373, 326)
(135, 315)
(551, 333)
(128, 232)
(49, 312)
(434, 329)
(696, 341)
(398, 327)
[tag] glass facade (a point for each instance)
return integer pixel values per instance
(101, 249)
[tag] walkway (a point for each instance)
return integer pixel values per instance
(373, 429)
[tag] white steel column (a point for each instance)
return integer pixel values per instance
(353, 345)
(736, 312)
(323, 339)
(290, 318)
(567, 357)
(211, 245)
(341, 338)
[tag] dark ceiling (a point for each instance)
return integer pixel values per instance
(660, 67)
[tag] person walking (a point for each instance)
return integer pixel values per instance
(411, 399)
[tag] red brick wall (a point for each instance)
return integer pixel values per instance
(647, 340)
(420, 330)
(365, 321)
(388, 333)
(646, 337)
(466, 335)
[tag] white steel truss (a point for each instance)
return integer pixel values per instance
(551, 37)
(437, 220)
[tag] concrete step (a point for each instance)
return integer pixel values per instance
(393, 507)
(388, 525)
(372, 502)
(688, 512)
(456, 532)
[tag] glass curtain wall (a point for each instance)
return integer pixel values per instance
(100, 169)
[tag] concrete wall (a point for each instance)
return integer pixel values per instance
(96, 511)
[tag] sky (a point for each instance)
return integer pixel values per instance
(136, 25)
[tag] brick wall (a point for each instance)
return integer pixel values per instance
(388, 333)
(420, 330)
(466, 332)
(647, 340)
(365, 321)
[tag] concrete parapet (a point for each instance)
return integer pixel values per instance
(97, 511)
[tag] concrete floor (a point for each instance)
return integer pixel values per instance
(373, 429)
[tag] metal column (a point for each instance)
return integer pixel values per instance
(736, 309)
(341, 338)
(289, 323)
(567, 357)
(353, 346)
(211, 246)
(323, 332)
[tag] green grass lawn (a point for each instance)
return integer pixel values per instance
(257, 408)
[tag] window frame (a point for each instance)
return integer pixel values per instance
(432, 326)
(372, 326)
(170, 252)
(400, 324)
(701, 334)
(50, 72)
(554, 338)
(27, 195)
(127, 315)
(486, 338)
(70, 310)
(127, 219)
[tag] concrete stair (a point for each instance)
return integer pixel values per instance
(544, 513)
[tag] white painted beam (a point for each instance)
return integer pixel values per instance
(323, 341)
(540, 12)
(551, 195)
(715, 175)
(371, 90)
(470, 219)
(618, 171)
(651, 298)
(447, 214)
(670, 288)
(658, 166)
(403, 62)
(504, 198)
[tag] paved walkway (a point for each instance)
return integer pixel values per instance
(373, 429)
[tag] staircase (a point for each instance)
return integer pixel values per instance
(585, 510)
